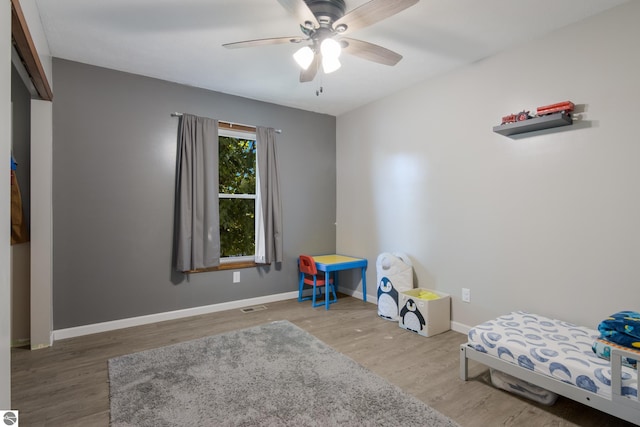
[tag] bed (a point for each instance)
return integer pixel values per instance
(558, 357)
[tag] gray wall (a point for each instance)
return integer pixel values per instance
(114, 151)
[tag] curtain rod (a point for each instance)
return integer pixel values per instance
(230, 124)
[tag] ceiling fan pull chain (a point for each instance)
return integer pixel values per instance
(320, 88)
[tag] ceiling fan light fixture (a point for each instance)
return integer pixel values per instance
(330, 49)
(322, 20)
(304, 57)
(341, 28)
(329, 64)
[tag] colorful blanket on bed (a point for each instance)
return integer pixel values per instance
(622, 328)
(602, 348)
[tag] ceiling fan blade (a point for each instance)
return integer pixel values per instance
(370, 51)
(263, 42)
(370, 13)
(301, 11)
(310, 73)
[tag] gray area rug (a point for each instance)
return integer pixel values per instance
(270, 375)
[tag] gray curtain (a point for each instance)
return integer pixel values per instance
(197, 222)
(270, 193)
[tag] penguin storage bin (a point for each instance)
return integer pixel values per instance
(425, 312)
(395, 274)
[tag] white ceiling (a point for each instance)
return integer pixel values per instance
(181, 41)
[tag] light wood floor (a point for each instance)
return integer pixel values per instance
(66, 385)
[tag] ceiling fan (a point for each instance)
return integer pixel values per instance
(324, 24)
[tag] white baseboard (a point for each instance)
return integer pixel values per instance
(95, 328)
(358, 294)
(113, 325)
(460, 327)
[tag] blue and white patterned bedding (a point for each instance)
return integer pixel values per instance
(553, 348)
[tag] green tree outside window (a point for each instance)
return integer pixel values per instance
(237, 196)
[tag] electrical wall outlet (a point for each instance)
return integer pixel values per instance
(466, 295)
(236, 277)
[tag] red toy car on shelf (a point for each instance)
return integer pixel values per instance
(512, 118)
(565, 107)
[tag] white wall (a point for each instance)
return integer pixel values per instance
(5, 200)
(548, 223)
(41, 224)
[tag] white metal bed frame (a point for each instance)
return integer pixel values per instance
(624, 407)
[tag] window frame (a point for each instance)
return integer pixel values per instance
(247, 260)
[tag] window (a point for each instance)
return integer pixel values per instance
(237, 195)
(251, 221)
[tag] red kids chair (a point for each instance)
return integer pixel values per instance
(309, 277)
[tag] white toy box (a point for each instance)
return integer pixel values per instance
(424, 311)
